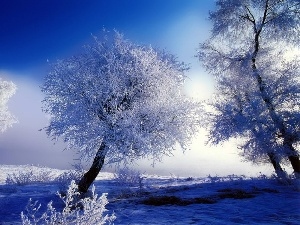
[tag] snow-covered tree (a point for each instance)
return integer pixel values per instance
(119, 101)
(88, 211)
(257, 84)
(7, 89)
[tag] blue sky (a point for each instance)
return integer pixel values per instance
(35, 32)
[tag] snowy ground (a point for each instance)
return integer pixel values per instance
(169, 200)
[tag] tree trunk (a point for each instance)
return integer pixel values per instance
(278, 169)
(278, 121)
(89, 177)
(295, 162)
(293, 156)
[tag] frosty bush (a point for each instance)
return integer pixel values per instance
(29, 176)
(92, 213)
(129, 178)
(230, 178)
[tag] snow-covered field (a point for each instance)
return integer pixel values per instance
(168, 200)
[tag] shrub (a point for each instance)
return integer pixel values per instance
(129, 178)
(92, 212)
(230, 178)
(29, 176)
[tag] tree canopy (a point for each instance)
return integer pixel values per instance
(129, 97)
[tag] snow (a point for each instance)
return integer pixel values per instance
(210, 200)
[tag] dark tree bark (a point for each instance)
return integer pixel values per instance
(277, 167)
(89, 177)
(295, 162)
(294, 159)
(288, 140)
